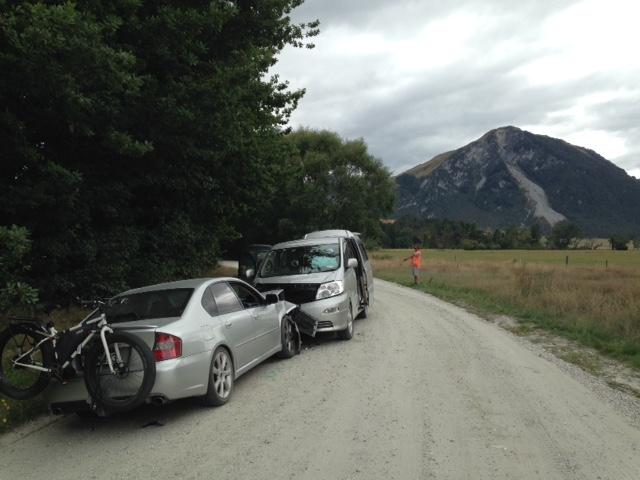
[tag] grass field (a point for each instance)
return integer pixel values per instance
(595, 299)
(583, 258)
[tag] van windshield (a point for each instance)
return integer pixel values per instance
(301, 260)
(146, 305)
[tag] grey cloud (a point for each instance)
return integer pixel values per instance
(376, 13)
(408, 117)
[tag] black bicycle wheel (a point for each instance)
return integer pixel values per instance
(17, 379)
(135, 373)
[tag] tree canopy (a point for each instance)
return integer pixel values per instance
(445, 233)
(563, 233)
(134, 133)
(323, 182)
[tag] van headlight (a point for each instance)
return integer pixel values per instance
(330, 289)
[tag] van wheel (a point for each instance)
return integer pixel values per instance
(347, 333)
(364, 313)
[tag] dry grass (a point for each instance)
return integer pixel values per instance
(221, 271)
(600, 306)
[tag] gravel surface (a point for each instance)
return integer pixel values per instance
(424, 390)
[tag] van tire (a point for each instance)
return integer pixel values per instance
(347, 333)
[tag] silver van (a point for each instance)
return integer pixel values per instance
(327, 273)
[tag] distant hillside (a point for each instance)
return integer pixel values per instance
(513, 177)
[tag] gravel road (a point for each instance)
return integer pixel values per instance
(424, 390)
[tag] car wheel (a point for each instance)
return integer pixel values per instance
(347, 333)
(288, 336)
(221, 379)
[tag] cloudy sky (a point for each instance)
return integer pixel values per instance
(415, 78)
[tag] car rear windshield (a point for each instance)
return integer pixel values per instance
(145, 305)
(301, 260)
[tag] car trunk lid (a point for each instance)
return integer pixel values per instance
(145, 329)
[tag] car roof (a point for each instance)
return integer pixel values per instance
(189, 283)
(303, 242)
(331, 233)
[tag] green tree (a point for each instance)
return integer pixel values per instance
(619, 242)
(14, 247)
(328, 182)
(535, 234)
(135, 133)
(563, 233)
(396, 235)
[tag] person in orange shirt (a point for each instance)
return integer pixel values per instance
(416, 263)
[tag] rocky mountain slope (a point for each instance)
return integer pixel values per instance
(513, 177)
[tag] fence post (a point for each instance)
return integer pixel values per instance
(566, 260)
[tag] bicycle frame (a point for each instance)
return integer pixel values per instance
(101, 324)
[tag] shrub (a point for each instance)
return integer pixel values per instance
(14, 246)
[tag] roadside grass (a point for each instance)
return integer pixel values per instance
(596, 306)
(584, 258)
(587, 362)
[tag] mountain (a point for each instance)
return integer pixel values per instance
(513, 177)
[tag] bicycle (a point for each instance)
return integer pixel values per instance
(118, 368)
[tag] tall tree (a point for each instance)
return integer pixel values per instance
(563, 233)
(327, 182)
(134, 132)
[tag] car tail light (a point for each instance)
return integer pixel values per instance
(167, 347)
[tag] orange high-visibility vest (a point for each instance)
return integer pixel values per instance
(416, 259)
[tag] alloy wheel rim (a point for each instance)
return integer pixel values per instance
(288, 336)
(222, 374)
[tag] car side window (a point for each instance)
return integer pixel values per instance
(248, 298)
(225, 298)
(209, 303)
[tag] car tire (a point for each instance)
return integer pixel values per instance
(287, 336)
(221, 379)
(101, 388)
(347, 333)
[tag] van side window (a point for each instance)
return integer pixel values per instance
(225, 298)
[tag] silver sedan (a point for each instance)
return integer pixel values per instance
(204, 334)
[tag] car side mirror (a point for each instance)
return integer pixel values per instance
(352, 263)
(271, 298)
(249, 273)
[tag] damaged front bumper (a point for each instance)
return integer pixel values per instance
(326, 315)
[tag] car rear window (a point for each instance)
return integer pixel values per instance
(145, 305)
